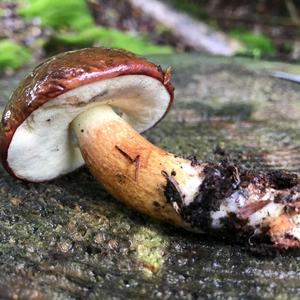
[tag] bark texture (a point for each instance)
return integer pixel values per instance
(69, 239)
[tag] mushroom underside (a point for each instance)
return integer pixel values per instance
(44, 148)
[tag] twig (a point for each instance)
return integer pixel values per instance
(193, 33)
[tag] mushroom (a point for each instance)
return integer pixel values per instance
(88, 106)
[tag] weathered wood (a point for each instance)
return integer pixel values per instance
(68, 239)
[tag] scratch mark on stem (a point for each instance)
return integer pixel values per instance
(136, 161)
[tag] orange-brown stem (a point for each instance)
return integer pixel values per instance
(128, 166)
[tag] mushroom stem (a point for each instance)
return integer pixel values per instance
(201, 196)
(131, 168)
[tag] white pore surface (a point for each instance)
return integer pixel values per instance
(43, 146)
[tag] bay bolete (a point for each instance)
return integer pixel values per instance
(87, 106)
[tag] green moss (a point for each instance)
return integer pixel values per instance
(109, 37)
(255, 44)
(192, 8)
(74, 27)
(150, 247)
(12, 55)
(58, 14)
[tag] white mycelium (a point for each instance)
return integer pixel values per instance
(230, 204)
(190, 188)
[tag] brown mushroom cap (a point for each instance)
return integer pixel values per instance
(65, 85)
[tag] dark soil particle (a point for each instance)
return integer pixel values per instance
(282, 179)
(219, 150)
(156, 204)
(172, 191)
(193, 159)
(288, 196)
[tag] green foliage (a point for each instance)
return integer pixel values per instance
(59, 14)
(74, 27)
(191, 8)
(256, 44)
(12, 55)
(109, 37)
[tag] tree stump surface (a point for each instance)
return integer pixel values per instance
(69, 239)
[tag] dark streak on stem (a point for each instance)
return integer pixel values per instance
(173, 193)
(136, 161)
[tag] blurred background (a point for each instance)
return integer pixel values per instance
(31, 30)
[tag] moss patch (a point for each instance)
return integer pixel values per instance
(256, 44)
(73, 26)
(12, 55)
(58, 14)
(150, 248)
(109, 37)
